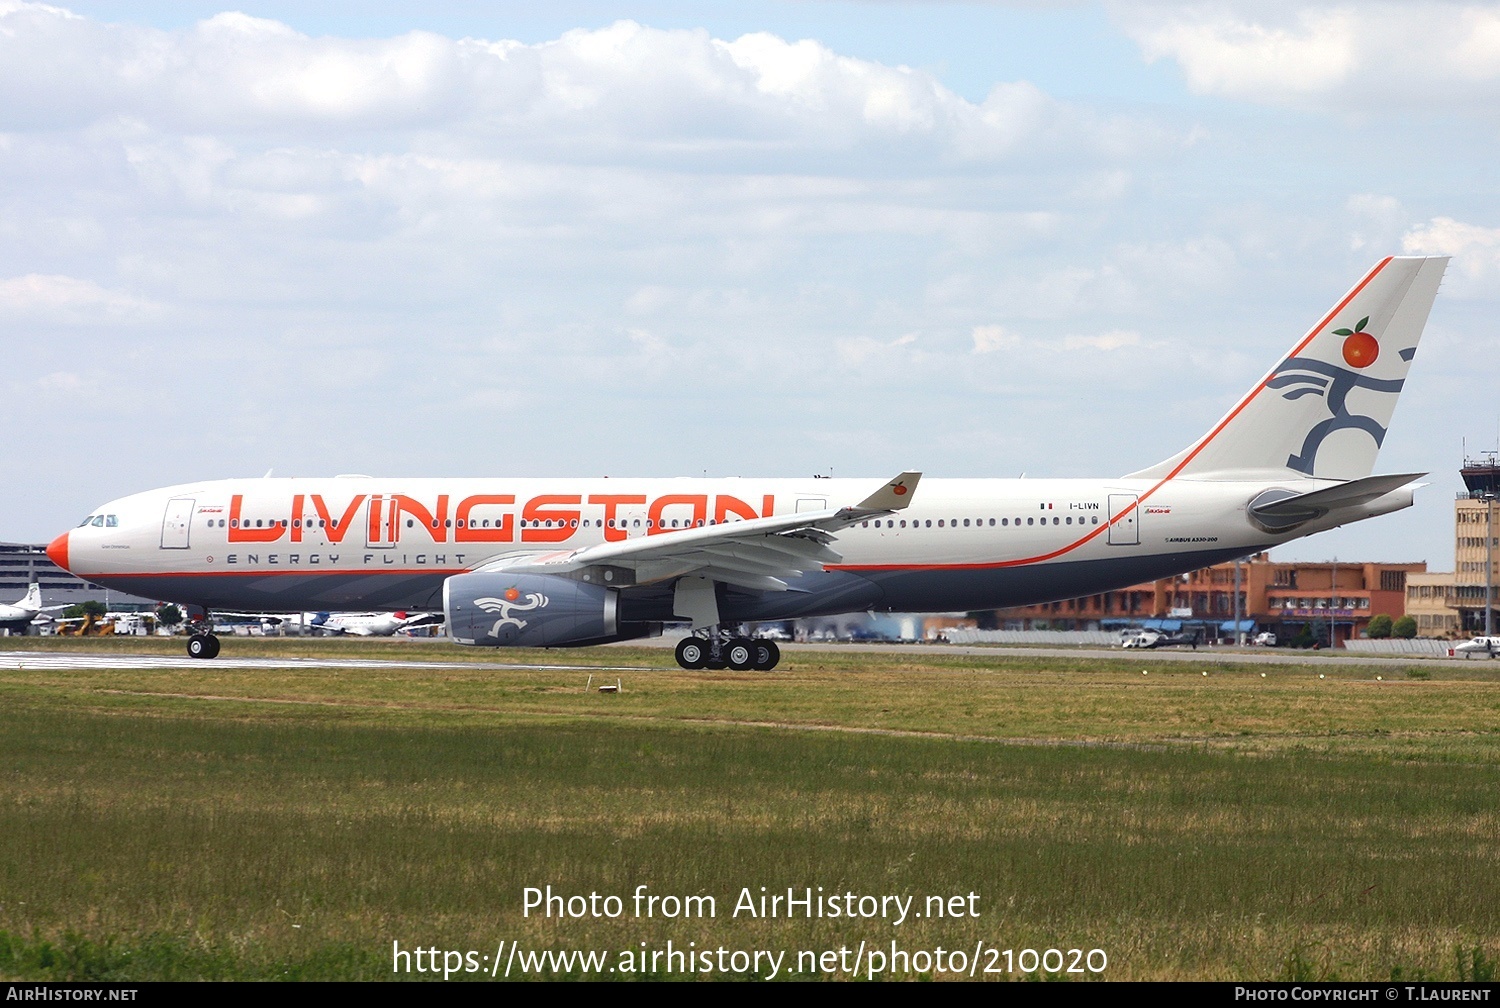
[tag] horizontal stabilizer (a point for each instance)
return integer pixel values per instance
(1293, 509)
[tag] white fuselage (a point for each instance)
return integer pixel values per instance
(354, 542)
(11, 615)
(359, 624)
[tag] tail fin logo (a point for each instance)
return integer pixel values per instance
(1301, 376)
(1360, 348)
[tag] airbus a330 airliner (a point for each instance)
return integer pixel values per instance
(562, 562)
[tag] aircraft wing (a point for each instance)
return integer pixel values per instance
(753, 553)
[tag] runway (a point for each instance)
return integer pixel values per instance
(1225, 656)
(1268, 656)
(1324, 659)
(63, 660)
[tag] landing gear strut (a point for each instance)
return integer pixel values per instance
(722, 647)
(201, 643)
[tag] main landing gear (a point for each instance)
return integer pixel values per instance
(202, 643)
(718, 648)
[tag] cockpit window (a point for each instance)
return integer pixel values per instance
(97, 521)
(111, 521)
(85, 521)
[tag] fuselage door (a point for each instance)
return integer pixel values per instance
(380, 525)
(812, 504)
(177, 523)
(1126, 531)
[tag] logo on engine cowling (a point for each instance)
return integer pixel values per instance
(510, 604)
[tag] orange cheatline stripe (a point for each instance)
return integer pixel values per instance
(274, 573)
(1207, 439)
(1024, 561)
(1259, 388)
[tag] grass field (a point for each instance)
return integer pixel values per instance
(220, 823)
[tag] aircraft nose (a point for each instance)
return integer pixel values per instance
(57, 550)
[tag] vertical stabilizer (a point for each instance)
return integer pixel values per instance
(1324, 409)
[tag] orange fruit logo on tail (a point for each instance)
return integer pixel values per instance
(1360, 348)
(511, 594)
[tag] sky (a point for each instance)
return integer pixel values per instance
(763, 239)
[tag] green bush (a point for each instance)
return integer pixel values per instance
(1405, 627)
(1380, 627)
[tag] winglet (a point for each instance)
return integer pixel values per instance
(894, 496)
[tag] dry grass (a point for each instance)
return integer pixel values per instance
(1231, 827)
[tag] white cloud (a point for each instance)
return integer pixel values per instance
(895, 353)
(989, 338)
(67, 300)
(1364, 57)
(1115, 339)
(623, 92)
(1475, 269)
(1378, 222)
(741, 241)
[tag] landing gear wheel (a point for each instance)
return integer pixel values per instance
(767, 654)
(739, 654)
(692, 652)
(203, 646)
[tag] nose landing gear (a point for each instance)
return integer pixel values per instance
(724, 647)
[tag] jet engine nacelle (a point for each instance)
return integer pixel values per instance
(533, 610)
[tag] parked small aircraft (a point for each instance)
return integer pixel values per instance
(370, 624)
(28, 609)
(1487, 646)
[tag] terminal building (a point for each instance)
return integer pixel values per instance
(23, 563)
(1333, 601)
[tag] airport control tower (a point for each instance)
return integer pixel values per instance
(1482, 475)
(1475, 542)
